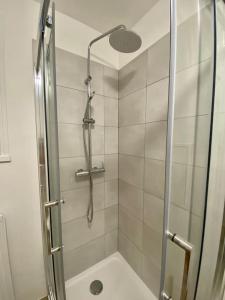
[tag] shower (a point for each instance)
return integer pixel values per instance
(135, 215)
(122, 40)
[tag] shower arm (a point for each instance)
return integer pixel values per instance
(88, 79)
(119, 27)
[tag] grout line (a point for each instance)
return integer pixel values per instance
(91, 241)
(145, 144)
(84, 91)
(165, 77)
(162, 160)
(123, 233)
(132, 92)
(84, 216)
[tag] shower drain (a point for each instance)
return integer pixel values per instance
(96, 287)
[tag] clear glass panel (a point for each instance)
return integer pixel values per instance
(213, 264)
(43, 171)
(53, 163)
(192, 121)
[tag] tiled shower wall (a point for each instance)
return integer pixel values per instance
(85, 246)
(143, 98)
(143, 93)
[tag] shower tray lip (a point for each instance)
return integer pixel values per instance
(120, 275)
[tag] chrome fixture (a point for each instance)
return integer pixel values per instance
(41, 30)
(187, 247)
(53, 203)
(48, 156)
(56, 249)
(95, 170)
(96, 287)
(125, 41)
(165, 296)
(122, 40)
(169, 144)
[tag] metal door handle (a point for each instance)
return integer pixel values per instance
(48, 206)
(51, 204)
(56, 249)
(187, 247)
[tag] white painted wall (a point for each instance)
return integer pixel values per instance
(74, 36)
(19, 198)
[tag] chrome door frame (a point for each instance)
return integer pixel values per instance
(169, 142)
(53, 254)
(167, 235)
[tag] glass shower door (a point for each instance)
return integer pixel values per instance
(189, 128)
(47, 134)
(53, 163)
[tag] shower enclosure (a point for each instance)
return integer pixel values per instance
(152, 141)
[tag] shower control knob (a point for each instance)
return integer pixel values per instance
(62, 201)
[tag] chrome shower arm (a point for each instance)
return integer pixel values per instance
(119, 27)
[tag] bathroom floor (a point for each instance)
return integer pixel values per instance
(119, 281)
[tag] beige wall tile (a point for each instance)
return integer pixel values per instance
(111, 218)
(111, 140)
(76, 202)
(98, 140)
(158, 60)
(132, 108)
(131, 140)
(193, 91)
(153, 212)
(151, 275)
(111, 112)
(131, 169)
(152, 245)
(111, 166)
(70, 140)
(154, 177)
(155, 140)
(97, 77)
(198, 190)
(179, 221)
(77, 232)
(111, 192)
(131, 227)
(110, 81)
(111, 242)
(130, 252)
(191, 140)
(71, 105)
(70, 70)
(194, 45)
(131, 199)
(78, 260)
(132, 77)
(157, 101)
(181, 185)
(97, 109)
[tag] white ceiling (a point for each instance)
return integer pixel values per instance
(105, 14)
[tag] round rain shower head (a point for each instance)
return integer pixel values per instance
(125, 41)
